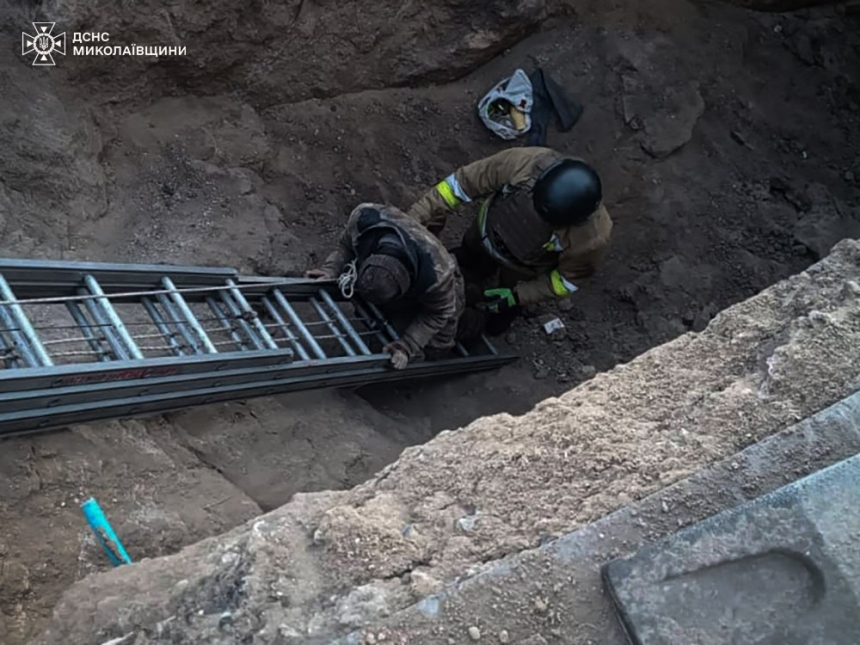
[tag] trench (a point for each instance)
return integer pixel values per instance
(728, 146)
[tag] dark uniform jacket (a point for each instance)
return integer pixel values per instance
(514, 234)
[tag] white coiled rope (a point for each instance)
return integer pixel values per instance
(346, 280)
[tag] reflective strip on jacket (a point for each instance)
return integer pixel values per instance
(575, 252)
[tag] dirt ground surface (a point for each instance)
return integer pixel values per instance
(328, 563)
(727, 142)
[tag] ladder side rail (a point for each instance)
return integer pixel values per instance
(73, 374)
(41, 399)
(49, 418)
(36, 278)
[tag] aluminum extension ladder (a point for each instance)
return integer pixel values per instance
(81, 342)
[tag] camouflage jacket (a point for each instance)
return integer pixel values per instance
(436, 292)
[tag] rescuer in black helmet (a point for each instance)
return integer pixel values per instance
(541, 225)
(568, 193)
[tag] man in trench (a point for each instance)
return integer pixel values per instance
(390, 260)
(541, 228)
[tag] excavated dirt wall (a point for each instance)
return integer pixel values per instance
(328, 563)
(727, 140)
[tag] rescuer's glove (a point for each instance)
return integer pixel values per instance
(499, 300)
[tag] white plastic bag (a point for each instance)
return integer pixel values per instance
(515, 90)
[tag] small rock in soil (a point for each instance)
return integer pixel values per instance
(474, 633)
(537, 639)
(566, 304)
(588, 371)
(504, 637)
(423, 584)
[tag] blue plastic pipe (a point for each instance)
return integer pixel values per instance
(104, 533)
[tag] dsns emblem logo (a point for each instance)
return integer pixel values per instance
(43, 44)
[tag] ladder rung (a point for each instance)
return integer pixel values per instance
(383, 321)
(174, 319)
(189, 316)
(21, 330)
(344, 323)
(236, 314)
(215, 306)
(158, 320)
(306, 335)
(100, 322)
(87, 330)
(282, 325)
(332, 327)
(117, 327)
(243, 305)
(489, 345)
(372, 323)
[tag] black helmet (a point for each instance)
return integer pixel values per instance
(567, 193)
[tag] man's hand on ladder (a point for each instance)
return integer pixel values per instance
(399, 354)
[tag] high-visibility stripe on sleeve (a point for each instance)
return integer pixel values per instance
(560, 286)
(554, 244)
(447, 194)
(451, 180)
(452, 192)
